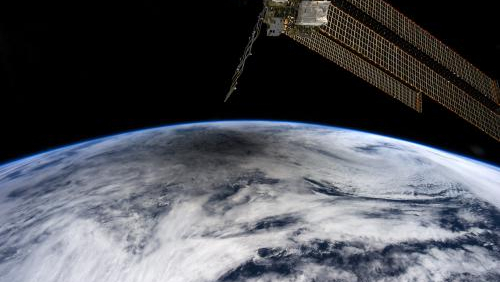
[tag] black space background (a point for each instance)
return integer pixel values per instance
(78, 70)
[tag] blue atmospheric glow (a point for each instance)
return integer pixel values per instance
(235, 121)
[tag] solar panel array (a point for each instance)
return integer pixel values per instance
(361, 68)
(359, 49)
(424, 41)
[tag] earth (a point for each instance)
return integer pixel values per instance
(249, 201)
